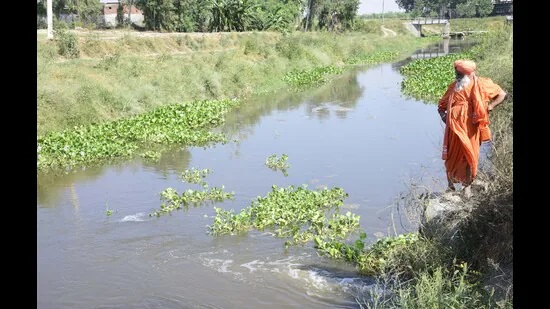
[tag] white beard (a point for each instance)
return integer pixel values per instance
(462, 83)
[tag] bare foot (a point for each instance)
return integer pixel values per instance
(450, 188)
(468, 192)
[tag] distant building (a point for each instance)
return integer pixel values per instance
(502, 7)
(109, 14)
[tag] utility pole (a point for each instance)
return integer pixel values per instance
(308, 14)
(382, 12)
(49, 17)
(130, 12)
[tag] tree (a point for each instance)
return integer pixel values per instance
(474, 8)
(229, 15)
(407, 5)
(191, 15)
(128, 4)
(131, 5)
(87, 10)
(346, 11)
(41, 14)
(275, 14)
(70, 7)
(41, 8)
(463, 8)
(120, 14)
(158, 15)
(200, 15)
(331, 12)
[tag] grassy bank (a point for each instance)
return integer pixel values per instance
(468, 25)
(108, 75)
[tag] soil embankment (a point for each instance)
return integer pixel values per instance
(388, 32)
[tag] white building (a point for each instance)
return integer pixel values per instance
(109, 13)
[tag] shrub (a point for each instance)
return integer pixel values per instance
(67, 43)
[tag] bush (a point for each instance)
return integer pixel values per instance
(67, 43)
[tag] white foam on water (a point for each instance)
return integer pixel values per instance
(277, 266)
(354, 286)
(317, 280)
(220, 265)
(141, 216)
(252, 266)
(312, 279)
(320, 282)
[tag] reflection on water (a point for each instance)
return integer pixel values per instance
(357, 133)
(442, 48)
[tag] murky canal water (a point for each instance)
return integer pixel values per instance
(358, 133)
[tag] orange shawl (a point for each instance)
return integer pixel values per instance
(467, 118)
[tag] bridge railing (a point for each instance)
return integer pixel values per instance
(428, 20)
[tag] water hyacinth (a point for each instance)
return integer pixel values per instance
(175, 201)
(427, 79)
(187, 124)
(296, 213)
(306, 78)
(373, 58)
(275, 163)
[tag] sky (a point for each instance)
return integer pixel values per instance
(375, 6)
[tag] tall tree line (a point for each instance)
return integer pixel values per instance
(246, 15)
(447, 8)
(223, 15)
(85, 11)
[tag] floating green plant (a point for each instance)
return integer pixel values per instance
(107, 210)
(339, 250)
(278, 163)
(194, 175)
(151, 155)
(186, 124)
(296, 213)
(307, 78)
(427, 79)
(175, 201)
(373, 58)
(371, 260)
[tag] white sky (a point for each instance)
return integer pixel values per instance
(375, 6)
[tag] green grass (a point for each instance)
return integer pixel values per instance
(129, 74)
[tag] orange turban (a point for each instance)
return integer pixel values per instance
(465, 66)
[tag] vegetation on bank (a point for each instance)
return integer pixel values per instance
(85, 118)
(212, 16)
(250, 15)
(90, 102)
(187, 124)
(129, 74)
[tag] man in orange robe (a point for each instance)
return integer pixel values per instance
(465, 108)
